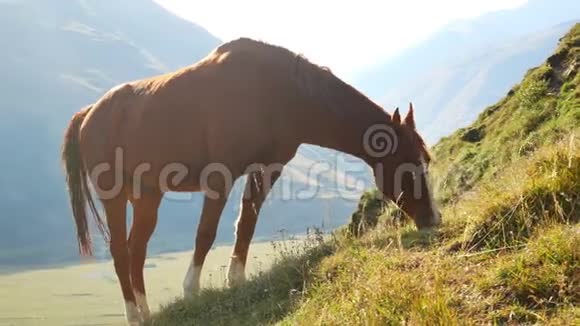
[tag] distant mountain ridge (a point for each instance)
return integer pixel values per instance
(468, 64)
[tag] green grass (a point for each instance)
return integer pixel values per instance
(263, 299)
(540, 282)
(540, 191)
(507, 252)
(407, 276)
(536, 113)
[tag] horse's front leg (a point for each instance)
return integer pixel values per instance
(258, 186)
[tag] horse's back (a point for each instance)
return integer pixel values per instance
(213, 112)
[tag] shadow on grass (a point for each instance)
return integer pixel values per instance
(266, 298)
(405, 237)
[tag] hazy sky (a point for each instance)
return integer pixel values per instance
(343, 35)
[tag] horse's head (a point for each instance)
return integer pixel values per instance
(401, 174)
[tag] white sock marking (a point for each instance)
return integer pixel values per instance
(191, 283)
(142, 304)
(236, 272)
(132, 314)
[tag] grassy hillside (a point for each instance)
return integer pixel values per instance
(538, 112)
(506, 253)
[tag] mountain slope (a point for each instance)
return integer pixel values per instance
(60, 56)
(505, 254)
(470, 64)
(56, 58)
(540, 110)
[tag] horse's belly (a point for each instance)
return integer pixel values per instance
(170, 176)
(185, 187)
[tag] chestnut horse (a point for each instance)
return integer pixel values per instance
(243, 110)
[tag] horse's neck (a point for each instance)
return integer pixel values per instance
(343, 128)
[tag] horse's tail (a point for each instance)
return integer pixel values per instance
(76, 178)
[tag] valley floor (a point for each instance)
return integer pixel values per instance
(89, 294)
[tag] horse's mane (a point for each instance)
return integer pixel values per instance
(315, 81)
(335, 94)
(318, 82)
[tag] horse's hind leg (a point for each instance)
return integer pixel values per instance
(116, 211)
(258, 186)
(144, 220)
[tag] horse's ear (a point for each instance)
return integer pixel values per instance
(410, 119)
(397, 116)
